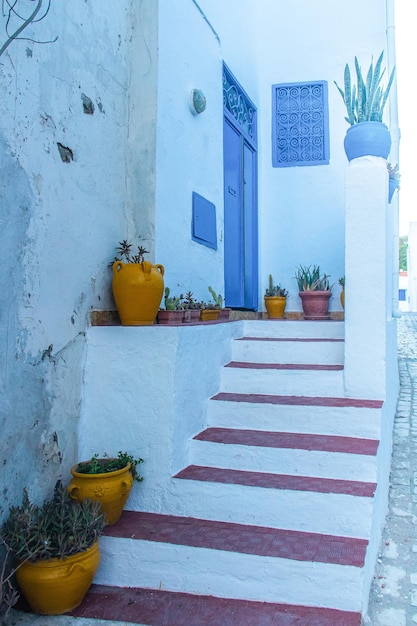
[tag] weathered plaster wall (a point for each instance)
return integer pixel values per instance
(60, 221)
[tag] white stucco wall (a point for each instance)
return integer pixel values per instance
(283, 43)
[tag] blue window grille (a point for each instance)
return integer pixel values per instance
(402, 295)
(238, 106)
(300, 124)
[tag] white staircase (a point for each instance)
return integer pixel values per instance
(275, 502)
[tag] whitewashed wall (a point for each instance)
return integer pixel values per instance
(301, 209)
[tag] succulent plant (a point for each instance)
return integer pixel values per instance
(311, 279)
(366, 100)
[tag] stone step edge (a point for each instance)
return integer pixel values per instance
(295, 441)
(284, 366)
(268, 480)
(159, 608)
(296, 339)
(298, 400)
(240, 538)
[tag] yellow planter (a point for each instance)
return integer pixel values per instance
(110, 489)
(342, 297)
(209, 314)
(275, 306)
(137, 290)
(56, 586)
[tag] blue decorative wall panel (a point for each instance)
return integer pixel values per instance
(300, 124)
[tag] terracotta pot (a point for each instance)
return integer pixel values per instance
(56, 586)
(137, 290)
(170, 317)
(275, 306)
(110, 489)
(190, 316)
(315, 304)
(224, 314)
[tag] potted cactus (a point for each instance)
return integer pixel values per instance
(275, 299)
(315, 292)
(365, 102)
(190, 308)
(224, 312)
(173, 312)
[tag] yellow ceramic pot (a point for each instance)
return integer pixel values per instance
(56, 586)
(342, 297)
(137, 290)
(110, 489)
(275, 306)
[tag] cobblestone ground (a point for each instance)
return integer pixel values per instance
(393, 598)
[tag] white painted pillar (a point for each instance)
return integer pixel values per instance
(368, 260)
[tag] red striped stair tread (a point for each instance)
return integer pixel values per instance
(298, 400)
(242, 538)
(155, 607)
(284, 366)
(297, 441)
(277, 481)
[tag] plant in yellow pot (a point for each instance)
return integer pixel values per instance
(342, 293)
(107, 480)
(55, 550)
(275, 299)
(137, 285)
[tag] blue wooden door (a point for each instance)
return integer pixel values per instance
(240, 199)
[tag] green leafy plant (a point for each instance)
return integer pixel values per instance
(311, 279)
(171, 303)
(57, 528)
(365, 101)
(275, 290)
(125, 254)
(341, 281)
(105, 464)
(217, 298)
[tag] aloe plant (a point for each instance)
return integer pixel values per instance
(311, 279)
(365, 101)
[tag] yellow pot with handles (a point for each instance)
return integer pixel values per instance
(137, 290)
(56, 586)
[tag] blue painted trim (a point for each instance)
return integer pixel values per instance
(203, 223)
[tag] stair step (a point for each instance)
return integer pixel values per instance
(300, 441)
(157, 607)
(298, 400)
(294, 339)
(285, 366)
(232, 537)
(283, 350)
(254, 378)
(347, 421)
(277, 481)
